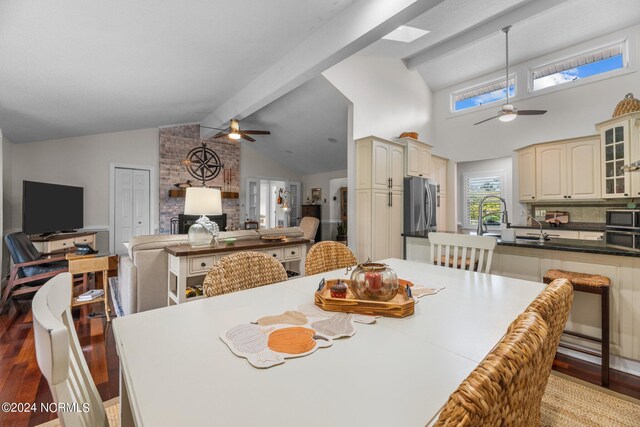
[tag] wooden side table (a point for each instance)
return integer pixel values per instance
(84, 264)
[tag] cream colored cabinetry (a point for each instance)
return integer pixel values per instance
(380, 164)
(439, 174)
(418, 158)
(567, 169)
(551, 173)
(527, 174)
(379, 208)
(62, 242)
(620, 141)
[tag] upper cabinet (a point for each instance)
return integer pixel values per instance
(620, 142)
(527, 174)
(418, 158)
(567, 169)
(439, 172)
(379, 164)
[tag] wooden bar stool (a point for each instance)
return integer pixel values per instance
(593, 284)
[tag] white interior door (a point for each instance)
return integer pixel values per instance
(132, 200)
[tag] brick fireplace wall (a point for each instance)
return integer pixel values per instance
(175, 143)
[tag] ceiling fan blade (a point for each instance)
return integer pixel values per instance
(531, 112)
(221, 134)
(486, 120)
(256, 132)
(246, 137)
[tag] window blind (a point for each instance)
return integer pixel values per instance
(483, 89)
(475, 189)
(578, 60)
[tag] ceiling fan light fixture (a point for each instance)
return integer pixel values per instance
(234, 135)
(508, 116)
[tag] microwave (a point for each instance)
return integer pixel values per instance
(623, 218)
(629, 240)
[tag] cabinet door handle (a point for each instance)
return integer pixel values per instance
(533, 197)
(568, 197)
(203, 264)
(389, 183)
(628, 194)
(293, 252)
(274, 255)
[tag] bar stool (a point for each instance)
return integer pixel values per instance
(593, 284)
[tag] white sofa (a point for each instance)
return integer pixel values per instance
(142, 274)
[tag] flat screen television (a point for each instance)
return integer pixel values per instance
(50, 208)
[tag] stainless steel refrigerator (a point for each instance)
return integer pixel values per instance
(421, 198)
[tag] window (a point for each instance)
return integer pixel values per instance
(475, 188)
(592, 63)
(485, 93)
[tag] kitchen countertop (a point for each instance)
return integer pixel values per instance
(571, 226)
(568, 245)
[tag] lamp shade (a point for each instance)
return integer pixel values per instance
(203, 201)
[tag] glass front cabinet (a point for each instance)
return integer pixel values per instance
(620, 146)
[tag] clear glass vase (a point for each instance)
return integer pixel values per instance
(374, 281)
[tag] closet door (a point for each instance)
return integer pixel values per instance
(132, 206)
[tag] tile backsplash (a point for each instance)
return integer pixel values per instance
(591, 212)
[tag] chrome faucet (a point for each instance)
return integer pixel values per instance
(505, 215)
(543, 236)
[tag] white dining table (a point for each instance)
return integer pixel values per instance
(176, 371)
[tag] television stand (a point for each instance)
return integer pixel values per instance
(63, 242)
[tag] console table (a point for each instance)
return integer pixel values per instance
(63, 241)
(189, 265)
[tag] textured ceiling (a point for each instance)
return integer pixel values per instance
(563, 25)
(301, 123)
(77, 68)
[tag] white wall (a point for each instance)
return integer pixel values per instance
(502, 166)
(255, 165)
(572, 111)
(322, 180)
(82, 161)
(387, 98)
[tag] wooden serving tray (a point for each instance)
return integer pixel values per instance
(402, 305)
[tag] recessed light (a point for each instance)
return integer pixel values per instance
(332, 140)
(405, 34)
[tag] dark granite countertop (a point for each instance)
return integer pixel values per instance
(568, 245)
(572, 226)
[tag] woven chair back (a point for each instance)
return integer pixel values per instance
(242, 270)
(462, 251)
(327, 256)
(553, 305)
(500, 391)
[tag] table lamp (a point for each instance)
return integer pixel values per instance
(203, 201)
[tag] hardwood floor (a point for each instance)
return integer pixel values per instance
(20, 378)
(21, 381)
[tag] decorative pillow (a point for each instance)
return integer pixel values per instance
(285, 231)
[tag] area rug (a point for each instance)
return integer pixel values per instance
(115, 296)
(111, 407)
(571, 402)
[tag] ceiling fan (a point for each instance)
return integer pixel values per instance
(508, 112)
(234, 132)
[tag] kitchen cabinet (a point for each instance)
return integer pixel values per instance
(527, 174)
(620, 145)
(551, 172)
(417, 158)
(441, 213)
(566, 169)
(379, 208)
(439, 172)
(379, 164)
(583, 169)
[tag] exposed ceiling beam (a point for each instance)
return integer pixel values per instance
(359, 25)
(480, 32)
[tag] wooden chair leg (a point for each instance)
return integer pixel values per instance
(8, 289)
(605, 337)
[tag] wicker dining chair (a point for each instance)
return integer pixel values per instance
(327, 256)
(242, 270)
(500, 391)
(553, 305)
